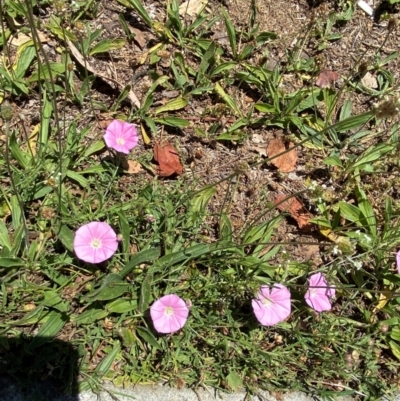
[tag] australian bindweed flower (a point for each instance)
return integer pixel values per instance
(319, 292)
(121, 136)
(95, 242)
(387, 108)
(272, 306)
(169, 313)
(398, 261)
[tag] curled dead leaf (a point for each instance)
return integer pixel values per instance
(295, 209)
(168, 160)
(287, 161)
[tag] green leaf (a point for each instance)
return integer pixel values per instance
(104, 366)
(234, 381)
(113, 286)
(265, 108)
(145, 256)
(352, 122)
(122, 305)
(333, 161)
(4, 236)
(96, 147)
(11, 262)
(173, 122)
(205, 62)
(350, 212)
(369, 220)
(201, 199)
(227, 99)
(83, 182)
(148, 337)
(225, 229)
(175, 104)
(89, 316)
(138, 7)
(127, 337)
(230, 29)
(24, 61)
(145, 293)
(371, 154)
(107, 45)
(53, 325)
(47, 71)
(53, 300)
(395, 333)
(66, 236)
(227, 66)
(395, 349)
(23, 158)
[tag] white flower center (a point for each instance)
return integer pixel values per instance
(169, 311)
(120, 141)
(96, 243)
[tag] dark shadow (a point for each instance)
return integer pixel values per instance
(38, 369)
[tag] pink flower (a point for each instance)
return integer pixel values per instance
(319, 293)
(121, 136)
(169, 313)
(398, 262)
(272, 306)
(95, 242)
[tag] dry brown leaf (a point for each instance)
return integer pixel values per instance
(168, 161)
(326, 77)
(20, 38)
(295, 209)
(139, 36)
(191, 7)
(131, 166)
(286, 162)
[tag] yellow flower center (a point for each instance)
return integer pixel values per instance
(169, 311)
(96, 243)
(120, 141)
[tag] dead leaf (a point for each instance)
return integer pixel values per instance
(20, 38)
(168, 161)
(295, 209)
(326, 77)
(131, 166)
(191, 7)
(139, 36)
(286, 162)
(369, 81)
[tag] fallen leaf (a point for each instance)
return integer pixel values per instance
(326, 77)
(139, 36)
(295, 209)
(131, 166)
(286, 162)
(191, 7)
(369, 81)
(168, 161)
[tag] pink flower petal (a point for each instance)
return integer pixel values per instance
(272, 306)
(317, 296)
(398, 262)
(121, 136)
(95, 242)
(319, 303)
(169, 313)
